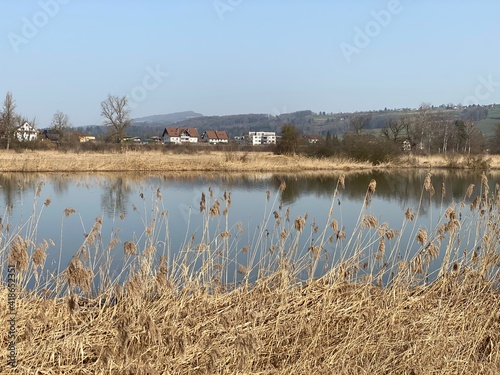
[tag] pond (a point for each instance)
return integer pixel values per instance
(242, 224)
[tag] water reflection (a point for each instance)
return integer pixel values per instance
(127, 203)
(401, 186)
(115, 196)
(404, 187)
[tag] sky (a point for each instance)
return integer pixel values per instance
(222, 57)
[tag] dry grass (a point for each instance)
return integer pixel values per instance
(217, 161)
(326, 327)
(53, 161)
(170, 317)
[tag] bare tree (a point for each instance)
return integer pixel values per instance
(10, 119)
(425, 107)
(116, 115)
(60, 125)
(424, 126)
(469, 129)
(395, 130)
(442, 127)
(475, 138)
(359, 122)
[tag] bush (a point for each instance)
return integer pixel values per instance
(477, 162)
(369, 148)
(289, 141)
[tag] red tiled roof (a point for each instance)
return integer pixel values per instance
(221, 134)
(216, 134)
(210, 134)
(192, 132)
(177, 132)
(172, 132)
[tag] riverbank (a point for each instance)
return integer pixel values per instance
(216, 161)
(329, 327)
(377, 309)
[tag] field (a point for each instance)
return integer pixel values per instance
(376, 310)
(487, 126)
(216, 161)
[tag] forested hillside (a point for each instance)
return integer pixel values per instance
(308, 122)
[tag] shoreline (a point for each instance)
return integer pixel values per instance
(220, 161)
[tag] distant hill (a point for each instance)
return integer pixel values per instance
(307, 121)
(236, 125)
(487, 125)
(167, 119)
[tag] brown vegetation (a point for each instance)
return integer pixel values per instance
(216, 161)
(375, 309)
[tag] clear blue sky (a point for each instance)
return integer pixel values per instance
(246, 56)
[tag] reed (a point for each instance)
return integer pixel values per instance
(347, 303)
(217, 161)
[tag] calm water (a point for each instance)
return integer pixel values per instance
(129, 203)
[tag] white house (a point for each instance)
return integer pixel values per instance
(313, 139)
(26, 132)
(180, 135)
(87, 138)
(262, 138)
(215, 136)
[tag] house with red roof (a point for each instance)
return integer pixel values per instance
(215, 136)
(180, 135)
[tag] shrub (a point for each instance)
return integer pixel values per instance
(367, 147)
(476, 162)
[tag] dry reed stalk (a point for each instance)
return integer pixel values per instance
(422, 236)
(469, 190)
(369, 327)
(18, 255)
(215, 209)
(346, 321)
(372, 186)
(130, 248)
(68, 211)
(410, 216)
(78, 276)
(39, 255)
(370, 221)
(341, 181)
(300, 224)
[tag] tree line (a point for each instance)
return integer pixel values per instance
(426, 131)
(114, 110)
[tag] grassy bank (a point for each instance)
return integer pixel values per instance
(216, 161)
(217, 308)
(328, 327)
